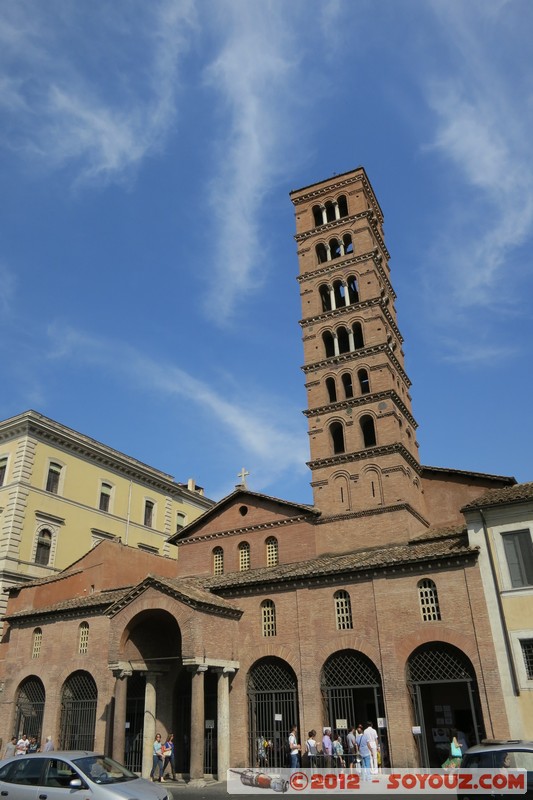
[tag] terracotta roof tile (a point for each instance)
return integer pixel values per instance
(520, 493)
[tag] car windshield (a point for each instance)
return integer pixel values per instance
(101, 769)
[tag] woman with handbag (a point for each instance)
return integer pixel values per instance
(454, 759)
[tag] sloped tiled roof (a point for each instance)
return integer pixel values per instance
(189, 590)
(521, 493)
(359, 561)
(89, 601)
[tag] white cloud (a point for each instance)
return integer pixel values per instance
(269, 447)
(252, 76)
(102, 107)
(483, 128)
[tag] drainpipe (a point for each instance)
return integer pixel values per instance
(506, 638)
(129, 512)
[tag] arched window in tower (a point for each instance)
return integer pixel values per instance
(348, 385)
(364, 383)
(343, 337)
(339, 292)
(343, 610)
(272, 555)
(332, 389)
(334, 248)
(347, 243)
(44, 547)
(244, 556)
(321, 253)
(330, 211)
(336, 431)
(325, 297)
(343, 205)
(329, 343)
(358, 340)
(317, 216)
(268, 618)
(218, 561)
(353, 291)
(368, 430)
(429, 600)
(83, 638)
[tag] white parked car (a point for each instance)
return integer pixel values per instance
(74, 774)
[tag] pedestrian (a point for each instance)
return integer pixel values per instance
(22, 745)
(454, 759)
(157, 759)
(10, 748)
(362, 746)
(48, 745)
(294, 748)
(372, 741)
(338, 752)
(33, 746)
(168, 755)
(327, 747)
(311, 749)
(352, 746)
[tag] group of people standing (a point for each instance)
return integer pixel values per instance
(360, 750)
(19, 747)
(163, 756)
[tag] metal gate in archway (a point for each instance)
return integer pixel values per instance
(351, 691)
(78, 712)
(444, 694)
(272, 710)
(29, 708)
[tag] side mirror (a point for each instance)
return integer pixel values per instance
(75, 783)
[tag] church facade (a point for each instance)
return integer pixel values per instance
(367, 605)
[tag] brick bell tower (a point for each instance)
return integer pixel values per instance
(366, 473)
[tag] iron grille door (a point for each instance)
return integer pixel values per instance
(78, 713)
(272, 710)
(29, 708)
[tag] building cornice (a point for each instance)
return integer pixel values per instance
(357, 355)
(264, 526)
(342, 181)
(346, 261)
(368, 453)
(353, 308)
(365, 399)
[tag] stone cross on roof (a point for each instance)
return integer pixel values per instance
(242, 475)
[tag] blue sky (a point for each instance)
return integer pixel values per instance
(148, 293)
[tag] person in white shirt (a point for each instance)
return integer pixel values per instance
(372, 741)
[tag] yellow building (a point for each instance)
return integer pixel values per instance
(62, 492)
(500, 524)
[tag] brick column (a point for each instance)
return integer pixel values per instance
(119, 718)
(150, 698)
(223, 721)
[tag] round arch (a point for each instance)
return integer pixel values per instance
(79, 696)
(443, 688)
(29, 707)
(272, 690)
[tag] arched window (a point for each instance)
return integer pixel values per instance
(77, 723)
(368, 430)
(244, 556)
(332, 389)
(347, 244)
(343, 205)
(325, 296)
(336, 431)
(36, 642)
(429, 600)
(321, 253)
(339, 293)
(268, 618)
(218, 561)
(83, 638)
(334, 248)
(105, 496)
(272, 556)
(44, 546)
(53, 477)
(364, 383)
(329, 344)
(348, 385)
(344, 340)
(358, 335)
(353, 291)
(330, 211)
(317, 216)
(343, 610)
